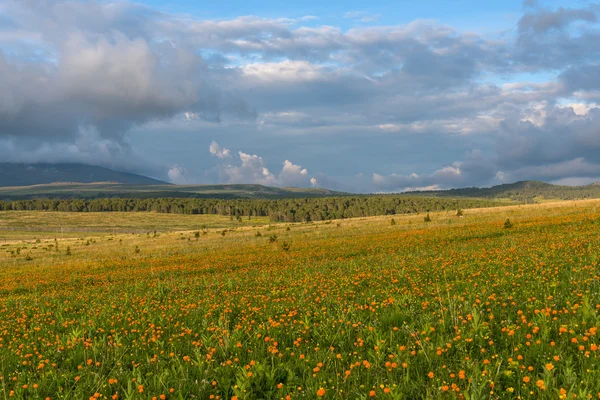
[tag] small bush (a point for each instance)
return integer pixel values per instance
(427, 218)
(393, 222)
(507, 224)
(285, 246)
(459, 213)
(272, 238)
(258, 234)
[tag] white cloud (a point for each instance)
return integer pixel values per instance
(177, 174)
(284, 71)
(251, 170)
(292, 175)
(218, 151)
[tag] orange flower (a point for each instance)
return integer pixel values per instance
(321, 392)
(431, 375)
(540, 384)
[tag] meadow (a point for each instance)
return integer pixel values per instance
(380, 307)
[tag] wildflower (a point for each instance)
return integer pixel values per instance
(540, 384)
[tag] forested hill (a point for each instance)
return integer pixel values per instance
(523, 191)
(38, 174)
(111, 190)
(289, 210)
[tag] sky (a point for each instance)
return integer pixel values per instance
(361, 96)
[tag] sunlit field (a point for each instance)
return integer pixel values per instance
(144, 306)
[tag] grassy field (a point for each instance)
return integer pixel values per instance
(358, 308)
(35, 224)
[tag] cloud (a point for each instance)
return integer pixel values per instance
(100, 69)
(293, 175)
(543, 20)
(362, 16)
(177, 175)
(549, 39)
(218, 151)
(251, 170)
(546, 142)
(97, 81)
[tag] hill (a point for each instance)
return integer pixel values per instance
(112, 190)
(40, 174)
(522, 191)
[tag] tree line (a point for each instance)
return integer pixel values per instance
(288, 210)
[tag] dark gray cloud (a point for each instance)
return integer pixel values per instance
(554, 39)
(542, 21)
(550, 144)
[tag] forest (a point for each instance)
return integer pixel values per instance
(288, 210)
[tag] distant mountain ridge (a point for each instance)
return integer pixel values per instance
(44, 173)
(523, 191)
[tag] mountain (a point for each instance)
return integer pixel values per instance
(29, 181)
(40, 174)
(522, 191)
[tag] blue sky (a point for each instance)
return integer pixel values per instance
(471, 13)
(352, 95)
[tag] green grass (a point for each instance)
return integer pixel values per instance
(118, 221)
(457, 307)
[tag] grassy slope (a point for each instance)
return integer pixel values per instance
(523, 191)
(94, 190)
(117, 221)
(32, 174)
(351, 297)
